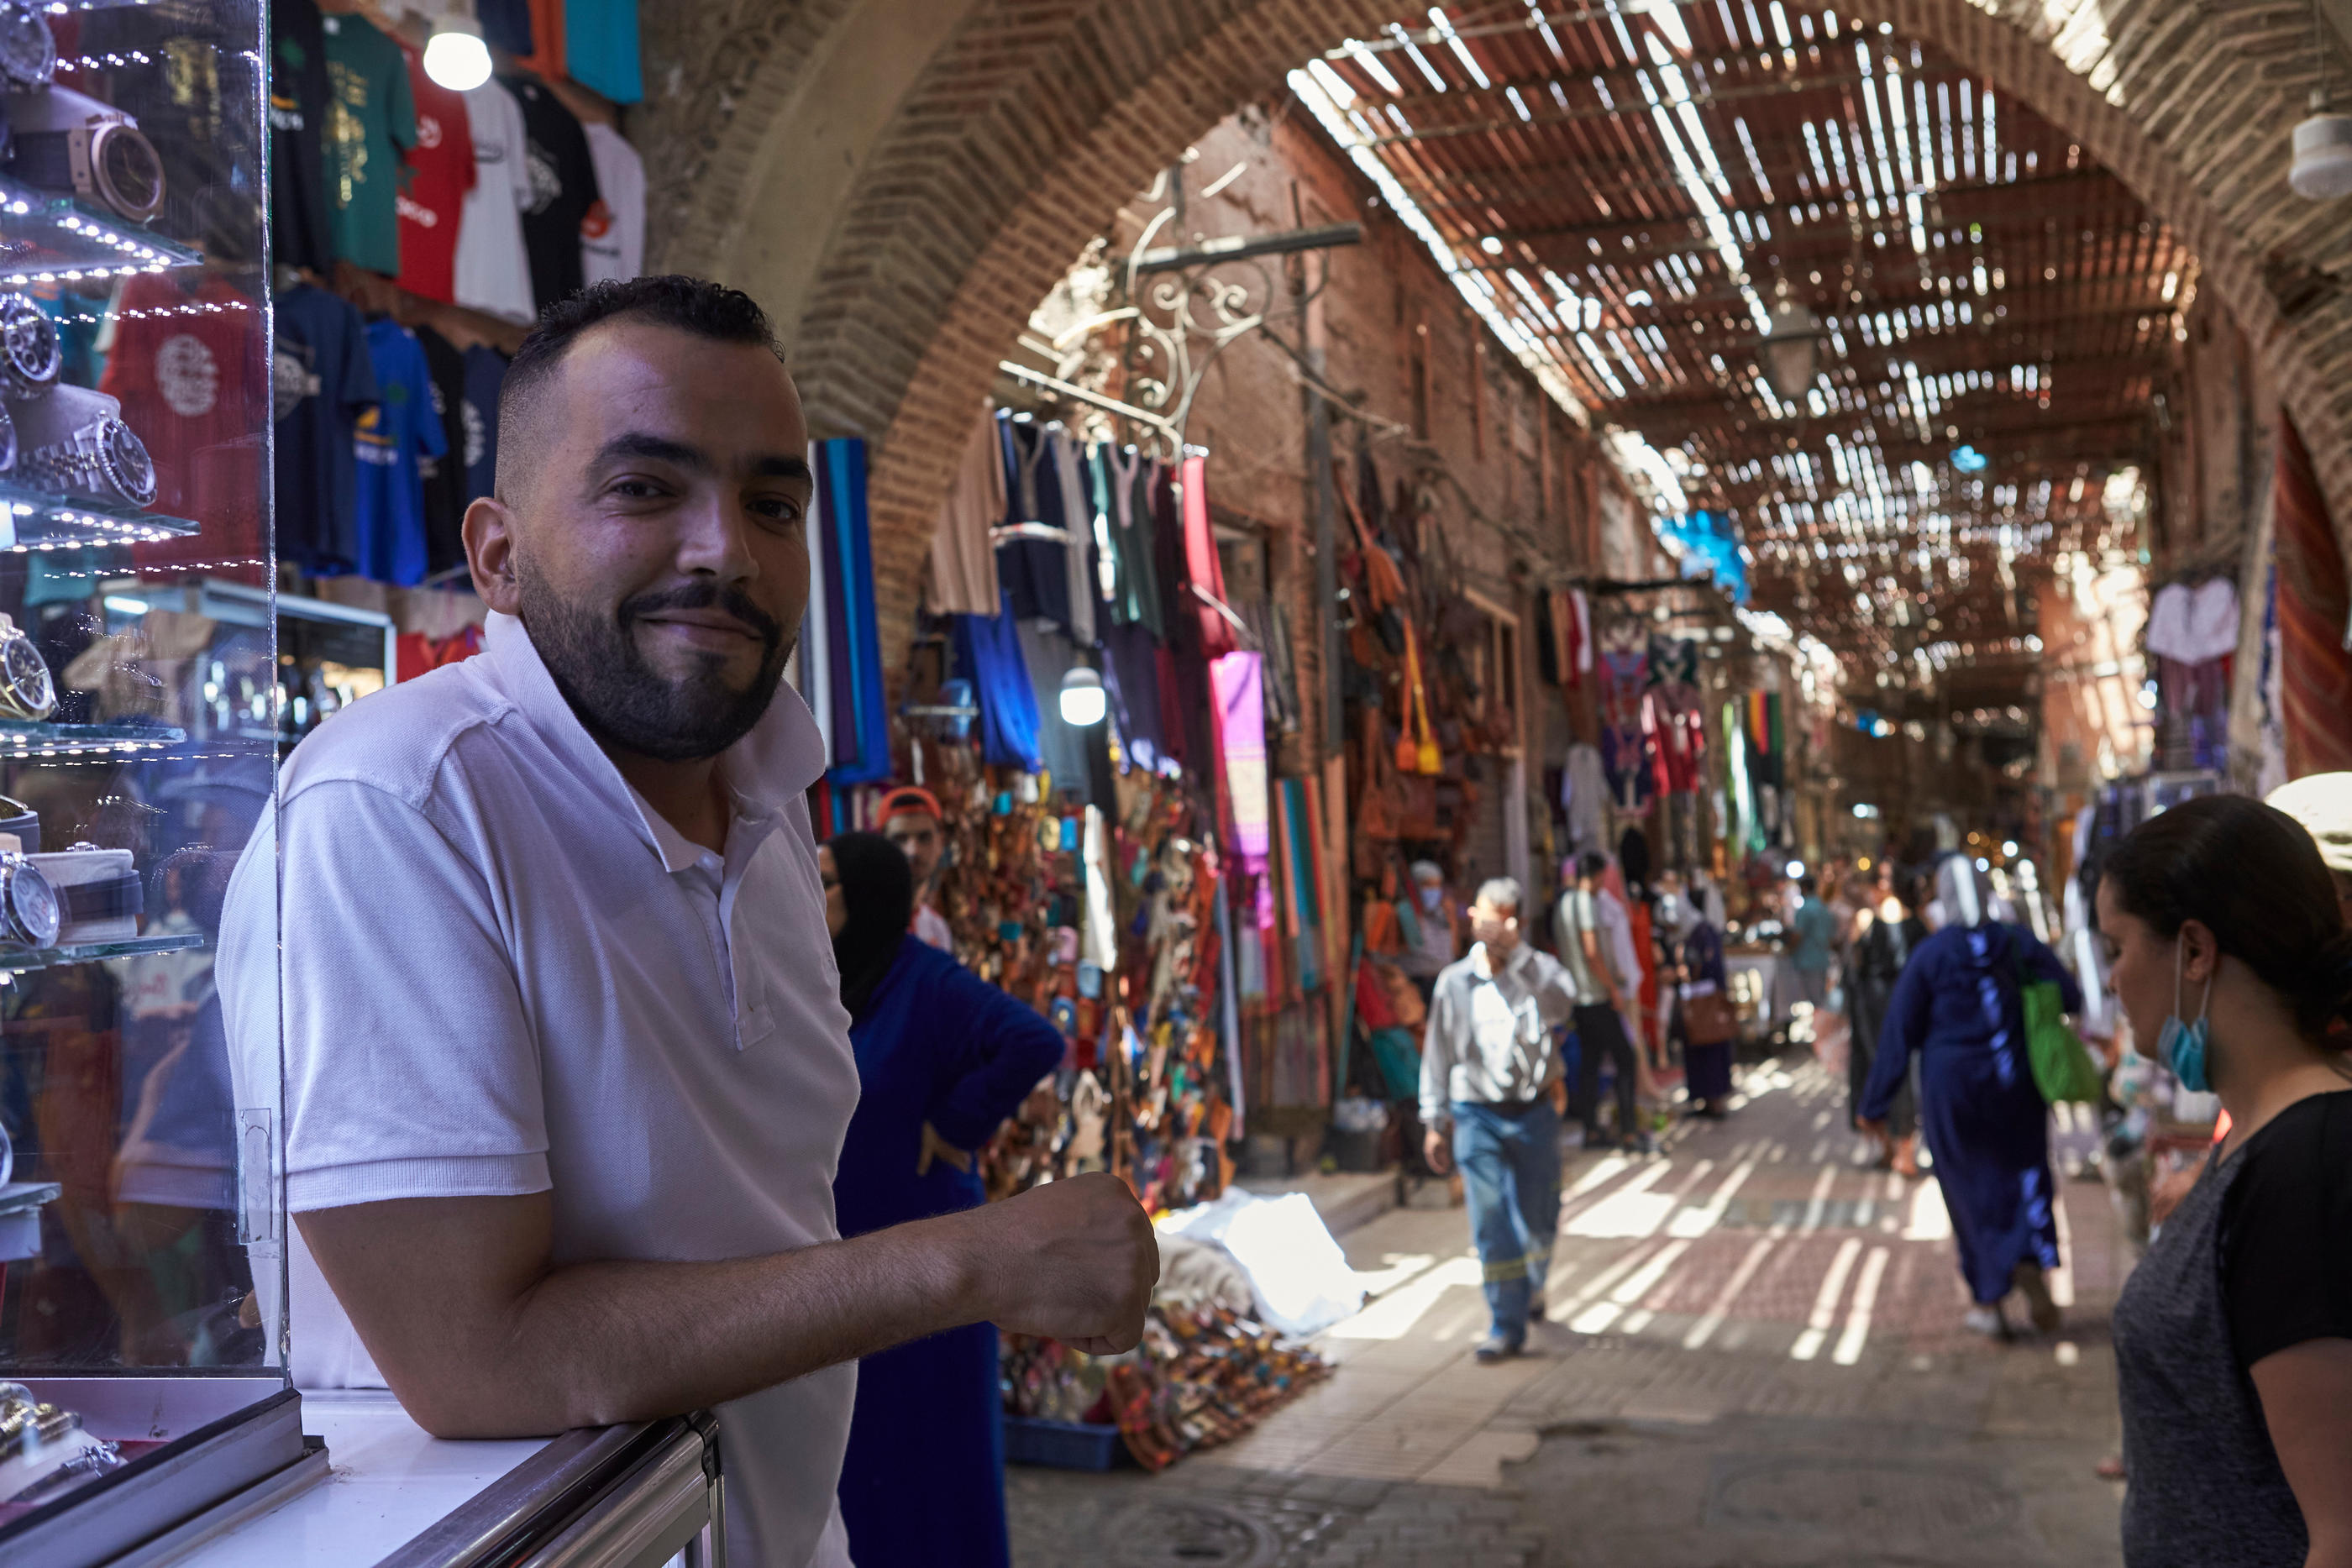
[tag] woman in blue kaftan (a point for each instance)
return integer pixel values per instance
(943, 1058)
(1957, 1005)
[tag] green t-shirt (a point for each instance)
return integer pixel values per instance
(370, 121)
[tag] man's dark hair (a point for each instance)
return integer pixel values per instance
(1592, 863)
(694, 305)
(1809, 884)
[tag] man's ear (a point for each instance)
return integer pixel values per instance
(489, 534)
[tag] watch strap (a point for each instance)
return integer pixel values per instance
(109, 898)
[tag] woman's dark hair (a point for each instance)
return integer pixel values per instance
(2252, 875)
(877, 886)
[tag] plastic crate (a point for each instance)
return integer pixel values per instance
(1061, 1444)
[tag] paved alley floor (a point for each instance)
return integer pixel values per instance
(1754, 1357)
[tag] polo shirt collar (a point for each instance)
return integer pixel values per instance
(763, 772)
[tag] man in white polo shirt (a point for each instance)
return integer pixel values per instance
(566, 1073)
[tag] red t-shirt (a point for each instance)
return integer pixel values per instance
(440, 172)
(190, 373)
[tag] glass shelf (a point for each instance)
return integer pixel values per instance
(49, 237)
(18, 959)
(21, 739)
(34, 519)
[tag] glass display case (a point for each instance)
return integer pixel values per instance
(143, 1356)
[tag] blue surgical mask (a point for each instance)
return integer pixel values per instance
(1431, 897)
(2184, 1046)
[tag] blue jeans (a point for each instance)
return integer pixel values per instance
(1510, 1173)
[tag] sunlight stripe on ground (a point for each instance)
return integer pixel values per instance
(1704, 1330)
(1597, 1318)
(1824, 1313)
(1865, 1297)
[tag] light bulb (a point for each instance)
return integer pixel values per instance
(1083, 700)
(455, 56)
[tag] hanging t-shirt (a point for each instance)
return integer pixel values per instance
(544, 22)
(612, 241)
(370, 123)
(562, 190)
(600, 48)
(492, 270)
(441, 173)
(445, 476)
(391, 438)
(322, 380)
(505, 24)
(299, 95)
(485, 372)
(188, 380)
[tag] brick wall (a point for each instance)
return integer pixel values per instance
(1028, 129)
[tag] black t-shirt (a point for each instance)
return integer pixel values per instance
(445, 478)
(298, 96)
(562, 190)
(2286, 1231)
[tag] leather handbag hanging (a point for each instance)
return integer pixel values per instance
(1709, 1018)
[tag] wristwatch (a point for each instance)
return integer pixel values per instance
(29, 909)
(73, 442)
(29, 353)
(28, 51)
(45, 1450)
(23, 822)
(27, 691)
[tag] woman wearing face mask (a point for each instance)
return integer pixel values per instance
(1957, 1005)
(1438, 924)
(2233, 1337)
(943, 1058)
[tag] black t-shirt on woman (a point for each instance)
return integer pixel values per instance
(2286, 1231)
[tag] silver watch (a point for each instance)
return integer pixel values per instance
(28, 51)
(74, 442)
(29, 351)
(30, 911)
(27, 691)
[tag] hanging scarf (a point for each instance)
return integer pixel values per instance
(878, 887)
(1416, 747)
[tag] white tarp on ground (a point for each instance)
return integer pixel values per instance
(1296, 1272)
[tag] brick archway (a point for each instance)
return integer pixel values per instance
(1014, 141)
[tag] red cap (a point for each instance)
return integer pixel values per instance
(910, 798)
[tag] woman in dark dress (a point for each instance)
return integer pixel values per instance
(1959, 1007)
(943, 1058)
(1695, 954)
(2233, 1337)
(1876, 963)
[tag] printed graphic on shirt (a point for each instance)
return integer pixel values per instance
(375, 441)
(346, 131)
(478, 433)
(292, 379)
(546, 184)
(598, 223)
(187, 375)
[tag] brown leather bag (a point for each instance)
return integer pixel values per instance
(1709, 1018)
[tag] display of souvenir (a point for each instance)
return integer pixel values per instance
(30, 912)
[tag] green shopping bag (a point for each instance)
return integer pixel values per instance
(2063, 1069)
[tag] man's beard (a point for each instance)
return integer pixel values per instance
(622, 700)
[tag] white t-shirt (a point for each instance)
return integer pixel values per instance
(617, 250)
(493, 268)
(931, 926)
(502, 976)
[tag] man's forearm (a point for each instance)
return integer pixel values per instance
(591, 1344)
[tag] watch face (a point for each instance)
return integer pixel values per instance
(27, 676)
(29, 345)
(28, 54)
(33, 905)
(123, 458)
(128, 172)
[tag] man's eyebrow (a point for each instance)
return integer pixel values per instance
(654, 448)
(782, 467)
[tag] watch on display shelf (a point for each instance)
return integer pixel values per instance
(74, 442)
(28, 51)
(44, 1449)
(72, 143)
(30, 354)
(30, 911)
(22, 823)
(27, 690)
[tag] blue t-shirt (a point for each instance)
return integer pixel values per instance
(600, 48)
(322, 380)
(485, 372)
(390, 438)
(1813, 926)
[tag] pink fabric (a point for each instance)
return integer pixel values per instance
(1241, 734)
(1203, 569)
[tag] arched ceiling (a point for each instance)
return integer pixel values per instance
(1988, 315)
